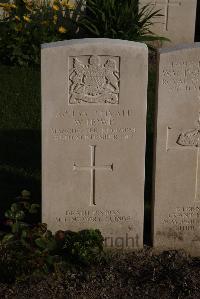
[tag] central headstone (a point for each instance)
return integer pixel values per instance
(94, 121)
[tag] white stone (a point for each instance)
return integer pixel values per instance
(177, 22)
(94, 94)
(177, 170)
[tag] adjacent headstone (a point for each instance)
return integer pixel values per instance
(197, 33)
(177, 22)
(177, 170)
(94, 94)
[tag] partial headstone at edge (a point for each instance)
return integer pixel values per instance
(177, 22)
(94, 97)
(177, 151)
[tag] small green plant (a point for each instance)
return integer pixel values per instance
(16, 215)
(119, 19)
(31, 249)
(28, 24)
(83, 247)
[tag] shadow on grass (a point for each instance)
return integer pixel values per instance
(20, 165)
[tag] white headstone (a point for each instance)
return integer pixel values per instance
(177, 22)
(177, 171)
(94, 94)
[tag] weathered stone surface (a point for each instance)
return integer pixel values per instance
(94, 118)
(177, 22)
(177, 170)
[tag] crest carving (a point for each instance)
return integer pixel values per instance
(94, 82)
(191, 137)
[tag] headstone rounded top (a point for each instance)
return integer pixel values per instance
(73, 42)
(179, 48)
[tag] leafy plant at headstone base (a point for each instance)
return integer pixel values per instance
(31, 249)
(14, 245)
(120, 19)
(83, 247)
(28, 24)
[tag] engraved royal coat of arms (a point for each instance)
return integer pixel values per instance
(191, 137)
(95, 82)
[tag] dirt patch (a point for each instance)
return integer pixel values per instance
(171, 274)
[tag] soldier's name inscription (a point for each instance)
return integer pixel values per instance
(85, 114)
(95, 125)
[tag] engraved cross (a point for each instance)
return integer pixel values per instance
(92, 168)
(167, 4)
(189, 140)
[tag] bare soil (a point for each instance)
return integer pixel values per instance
(172, 274)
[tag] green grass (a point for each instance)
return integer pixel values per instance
(20, 133)
(20, 98)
